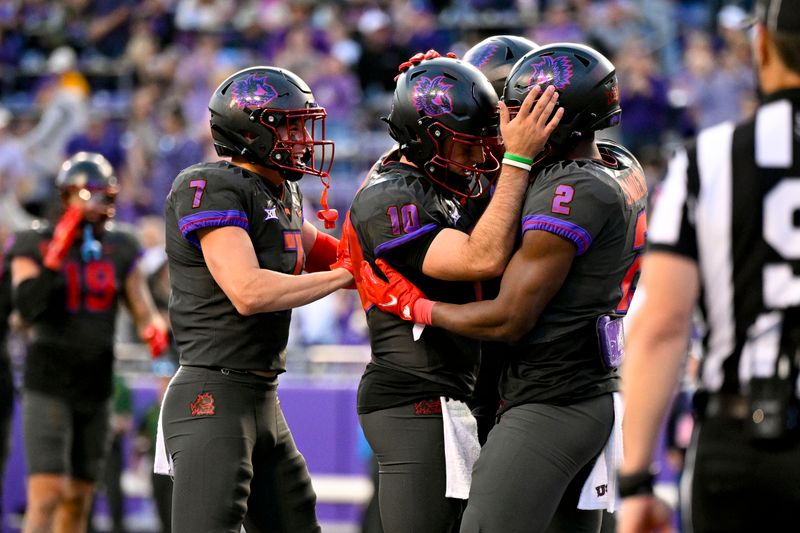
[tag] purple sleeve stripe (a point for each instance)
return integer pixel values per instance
(211, 219)
(135, 261)
(382, 249)
(563, 228)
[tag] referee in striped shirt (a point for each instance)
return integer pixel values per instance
(725, 235)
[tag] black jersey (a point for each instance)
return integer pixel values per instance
(71, 352)
(207, 328)
(599, 206)
(730, 203)
(396, 215)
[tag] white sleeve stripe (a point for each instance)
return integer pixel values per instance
(774, 135)
(665, 224)
(713, 219)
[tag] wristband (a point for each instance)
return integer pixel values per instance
(636, 483)
(423, 311)
(322, 254)
(518, 158)
(515, 163)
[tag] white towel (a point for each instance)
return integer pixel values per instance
(461, 447)
(162, 463)
(600, 489)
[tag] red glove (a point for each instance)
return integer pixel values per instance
(397, 296)
(63, 236)
(343, 250)
(157, 339)
(417, 58)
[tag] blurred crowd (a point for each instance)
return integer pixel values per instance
(131, 80)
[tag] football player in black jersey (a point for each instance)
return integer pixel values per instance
(420, 209)
(67, 282)
(237, 240)
(583, 224)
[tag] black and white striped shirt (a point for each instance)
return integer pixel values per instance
(731, 201)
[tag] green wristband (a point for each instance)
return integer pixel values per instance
(518, 158)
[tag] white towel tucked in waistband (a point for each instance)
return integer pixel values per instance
(600, 489)
(162, 463)
(461, 447)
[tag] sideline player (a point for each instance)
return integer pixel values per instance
(67, 281)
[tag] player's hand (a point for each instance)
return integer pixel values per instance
(343, 250)
(63, 236)
(397, 296)
(157, 338)
(527, 133)
(644, 514)
(419, 57)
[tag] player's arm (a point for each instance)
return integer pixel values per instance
(535, 273)
(32, 287)
(33, 284)
(232, 261)
(319, 247)
(483, 254)
(655, 347)
(150, 324)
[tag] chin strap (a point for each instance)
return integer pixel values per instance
(326, 214)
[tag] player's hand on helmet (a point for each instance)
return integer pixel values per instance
(343, 250)
(419, 57)
(397, 296)
(63, 236)
(527, 133)
(156, 336)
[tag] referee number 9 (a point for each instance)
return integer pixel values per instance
(781, 224)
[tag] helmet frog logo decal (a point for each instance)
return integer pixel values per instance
(431, 96)
(253, 91)
(555, 71)
(484, 57)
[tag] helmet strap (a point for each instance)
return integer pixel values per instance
(326, 214)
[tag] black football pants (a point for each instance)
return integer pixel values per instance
(531, 470)
(730, 484)
(409, 448)
(235, 461)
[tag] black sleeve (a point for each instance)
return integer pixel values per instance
(208, 200)
(400, 224)
(574, 206)
(34, 296)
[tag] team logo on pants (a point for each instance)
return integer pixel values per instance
(203, 405)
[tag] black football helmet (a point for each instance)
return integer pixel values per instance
(494, 56)
(92, 177)
(585, 80)
(441, 106)
(253, 113)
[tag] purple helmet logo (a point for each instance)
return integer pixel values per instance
(555, 71)
(486, 54)
(253, 91)
(431, 96)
